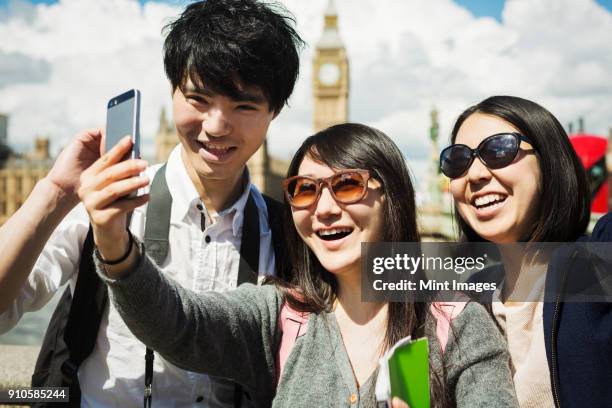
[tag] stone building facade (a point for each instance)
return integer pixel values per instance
(19, 173)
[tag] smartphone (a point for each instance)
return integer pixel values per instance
(122, 119)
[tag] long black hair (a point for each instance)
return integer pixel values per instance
(565, 198)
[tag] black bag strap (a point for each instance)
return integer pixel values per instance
(249, 244)
(248, 271)
(86, 311)
(148, 390)
(72, 331)
(157, 229)
(281, 255)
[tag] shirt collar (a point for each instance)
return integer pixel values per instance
(186, 197)
(237, 209)
(183, 192)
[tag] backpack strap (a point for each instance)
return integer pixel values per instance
(279, 244)
(73, 329)
(157, 245)
(248, 269)
(249, 244)
(444, 313)
(158, 209)
(293, 324)
(86, 310)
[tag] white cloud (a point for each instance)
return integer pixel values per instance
(94, 50)
(406, 56)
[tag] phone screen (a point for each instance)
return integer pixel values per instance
(122, 120)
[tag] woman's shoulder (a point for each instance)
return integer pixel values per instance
(475, 336)
(602, 232)
(461, 316)
(461, 325)
(474, 315)
(256, 297)
(268, 292)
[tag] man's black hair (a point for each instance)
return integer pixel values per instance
(222, 45)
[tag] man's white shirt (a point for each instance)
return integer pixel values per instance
(201, 260)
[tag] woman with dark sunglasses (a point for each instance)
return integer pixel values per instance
(346, 185)
(516, 178)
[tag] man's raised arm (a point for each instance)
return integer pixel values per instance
(25, 233)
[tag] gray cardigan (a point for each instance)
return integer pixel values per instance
(236, 335)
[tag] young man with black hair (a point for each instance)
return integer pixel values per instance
(232, 65)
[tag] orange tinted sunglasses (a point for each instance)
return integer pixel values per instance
(346, 186)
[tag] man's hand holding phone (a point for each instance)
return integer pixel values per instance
(105, 189)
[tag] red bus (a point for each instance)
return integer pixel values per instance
(592, 152)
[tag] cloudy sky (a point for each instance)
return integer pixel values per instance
(60, 61)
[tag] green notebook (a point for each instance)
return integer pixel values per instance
(407, 367)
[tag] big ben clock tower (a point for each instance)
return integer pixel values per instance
(330, 75)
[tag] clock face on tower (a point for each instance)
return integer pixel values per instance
(329, 74)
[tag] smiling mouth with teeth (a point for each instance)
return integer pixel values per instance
(488, 200)
(334, 234)
(215, 149)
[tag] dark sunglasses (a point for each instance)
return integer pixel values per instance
(495, 151)
(345, 186)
